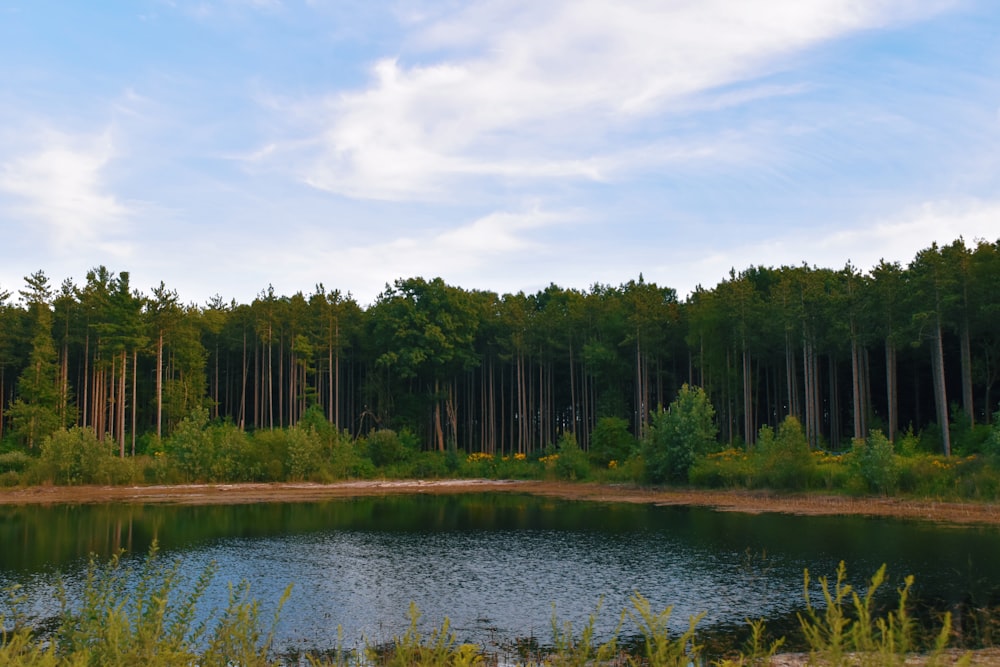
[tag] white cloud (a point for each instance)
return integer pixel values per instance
(517, 90)
(482, 254)
(895, 239)
(60, 184)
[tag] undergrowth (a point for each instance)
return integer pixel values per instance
(149, 616)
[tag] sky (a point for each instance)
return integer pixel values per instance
(225, 146)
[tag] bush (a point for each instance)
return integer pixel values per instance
(304, 452)
(189, 447)
(730, 468)
(385, 447)
(679, 433)
(611, 441)
(783, 459)
(76, 456)
(875, 461)
(572, 463)
(15, 461)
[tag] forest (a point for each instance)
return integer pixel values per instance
(899, 349)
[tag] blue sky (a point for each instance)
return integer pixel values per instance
(222, 146)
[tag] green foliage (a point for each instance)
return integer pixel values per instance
(76, 456)
(875, 460)
(189, 446)
(730, 468)
(579, 650)
(611, 441)
(385, 447)
(991, 444)
(149, 616)
(412, 648)
(347, 462)
(305, 453)
(572, 463)
(783, 459)
(15, 461)
(679, 434)
(846, 631)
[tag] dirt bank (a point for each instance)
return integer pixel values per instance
(734, 501)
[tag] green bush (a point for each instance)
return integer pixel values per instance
(731, 468)
(305, 453)
(572, 463)
(76, 456)
(783, 459)
(385, 447)
(15, 461)
(272, 450)
(611, 441)
(679, 434)
(189, 446)
(875, 461)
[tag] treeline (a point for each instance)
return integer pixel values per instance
(843, 351)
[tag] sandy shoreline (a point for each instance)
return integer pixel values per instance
(735, 501)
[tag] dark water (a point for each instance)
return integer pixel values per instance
(498, 566)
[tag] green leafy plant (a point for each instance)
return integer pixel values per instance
(679, 433)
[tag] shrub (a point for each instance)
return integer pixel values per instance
(75, 456)
(15, 461)
(783, 459)
(304, 453)
(385, 447)
(875, 461)
(572, 463)
(189, 447)
(729, 468)
(679, 433)
(611, 441)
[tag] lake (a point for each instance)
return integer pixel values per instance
(498, 565)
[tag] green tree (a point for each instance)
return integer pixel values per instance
(931, 297)
(611, 441)
(35, 413)
(683, 431)
(428, 330)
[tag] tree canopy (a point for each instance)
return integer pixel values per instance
(840, 350)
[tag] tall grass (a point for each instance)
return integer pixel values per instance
(150, 616)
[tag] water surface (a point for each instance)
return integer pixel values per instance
(497, 565)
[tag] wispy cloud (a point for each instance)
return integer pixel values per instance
(894, 239)
(519, 90)
(495, 252)
(60, 184)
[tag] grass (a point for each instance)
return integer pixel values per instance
(150, 616)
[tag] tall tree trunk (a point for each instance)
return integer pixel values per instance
(135, 401)
(891, 389)
(966, 353)
(159, 385)
(748, 420)
(857, 403)
(438, 431)
(121, 406)
(791, 379)
(940, 392)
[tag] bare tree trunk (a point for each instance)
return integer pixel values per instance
(940, 392)
(748, 420)
(135, 402)
(891, 389)
(966, 354)
(859, 428)
(243, 384)
(159, 385)
(121, 405)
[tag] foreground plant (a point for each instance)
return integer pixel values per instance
(145, 617)
(847, 632)
(150, 617)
